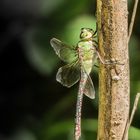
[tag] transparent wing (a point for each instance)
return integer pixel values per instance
(89, 90)
(65, 52)
(69, 74)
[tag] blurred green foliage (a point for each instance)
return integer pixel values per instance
(63, 19)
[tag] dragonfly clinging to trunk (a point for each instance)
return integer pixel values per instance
(80, 60)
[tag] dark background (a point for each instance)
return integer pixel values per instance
(33, 106)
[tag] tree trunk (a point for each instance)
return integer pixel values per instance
(112, 19)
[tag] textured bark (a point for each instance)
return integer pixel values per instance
(113, 79)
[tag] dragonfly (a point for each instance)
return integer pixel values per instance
(79, 61)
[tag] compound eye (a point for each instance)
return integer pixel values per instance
(84, 34)
(91, 30)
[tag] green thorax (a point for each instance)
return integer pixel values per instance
(86, 53)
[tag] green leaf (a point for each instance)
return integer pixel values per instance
(49, 6)
(73, 28)
(134, 133)
(39, 52)
(65, 130)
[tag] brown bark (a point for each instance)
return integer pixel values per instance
(113, 79)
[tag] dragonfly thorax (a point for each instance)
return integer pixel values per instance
(86, 53)
(85, 45)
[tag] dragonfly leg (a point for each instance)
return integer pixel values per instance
(107, 62)
(100, 58)
(96, 43)
(95, 33)
(113, 62)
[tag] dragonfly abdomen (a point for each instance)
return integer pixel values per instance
(86, 61)
(79, 105)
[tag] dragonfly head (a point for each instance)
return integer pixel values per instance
(86, 33)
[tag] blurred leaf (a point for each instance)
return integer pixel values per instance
(23, 134)
(134, 68)
(56, 111)
(134, 133)
(39, 52)
(49, 6)
(61, 106)
(130, 2)
(71, 32)
(69, 10)
(66, 129)
(58, 129)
